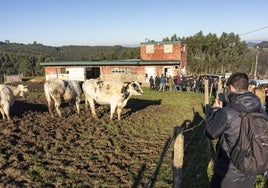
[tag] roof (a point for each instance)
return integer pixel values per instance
(112, 62)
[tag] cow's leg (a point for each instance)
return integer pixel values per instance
(6, 111)
(119, 110)
(92, 107)
(3, 113)
(50, 104)
(120, 107)
(57, 101)
(113, 107)
(57, 106)
(49, 100)
(86, 103)
(77, 103)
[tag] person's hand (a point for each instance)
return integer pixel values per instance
(217, 104)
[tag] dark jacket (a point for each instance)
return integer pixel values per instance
(224, 124)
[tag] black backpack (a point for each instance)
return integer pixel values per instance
(250, 153)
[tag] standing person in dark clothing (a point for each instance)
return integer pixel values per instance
(157, 82)
(162, 83)
(151, 80)
(224, 123)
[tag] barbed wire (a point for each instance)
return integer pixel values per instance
(152, 178)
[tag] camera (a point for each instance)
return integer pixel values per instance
(223, 98)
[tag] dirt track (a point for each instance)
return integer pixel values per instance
(76, 150)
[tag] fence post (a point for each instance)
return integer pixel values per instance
(206, 92)
(178, 156)
(207, 107)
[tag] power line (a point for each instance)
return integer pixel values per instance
(254, 30)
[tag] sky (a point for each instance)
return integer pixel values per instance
(128, 22)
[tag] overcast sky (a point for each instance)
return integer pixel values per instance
(128, 22)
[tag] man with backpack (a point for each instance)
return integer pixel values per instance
(231, 165)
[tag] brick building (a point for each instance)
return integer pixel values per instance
(169, 58)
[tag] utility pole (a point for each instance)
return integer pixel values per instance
(256, 63)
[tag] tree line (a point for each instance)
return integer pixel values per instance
(205, 54)
(219, 55)
(21, 58)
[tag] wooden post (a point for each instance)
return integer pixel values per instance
(207, 107)
(178, 157)
(206, 92)
(220, 89)
(207, 114)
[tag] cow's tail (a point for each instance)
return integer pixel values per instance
(47, 94)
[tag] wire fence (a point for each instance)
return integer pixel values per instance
(152, 179)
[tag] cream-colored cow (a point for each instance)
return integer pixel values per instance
(58, 91)
(115, 94)
(8, 94)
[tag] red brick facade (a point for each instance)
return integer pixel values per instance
(158, 52)
(156, 58)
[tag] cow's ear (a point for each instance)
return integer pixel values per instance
(140, 83)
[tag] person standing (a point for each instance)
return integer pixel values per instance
(224, 123)
(178, 82)
(163, 81)
(152, 85)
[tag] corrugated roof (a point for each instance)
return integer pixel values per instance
(103, 63)
(124, 62)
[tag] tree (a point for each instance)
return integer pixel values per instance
(25, 68)
(210, 54)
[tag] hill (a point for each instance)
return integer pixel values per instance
(263, 44)
(70, 53)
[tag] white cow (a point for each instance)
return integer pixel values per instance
(58, 91)
(8, 94)
(115, 94)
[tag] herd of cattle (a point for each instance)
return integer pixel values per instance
(58, 91)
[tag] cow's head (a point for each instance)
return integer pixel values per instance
(135, 88)
(24, 92)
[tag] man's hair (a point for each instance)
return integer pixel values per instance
(239, 81)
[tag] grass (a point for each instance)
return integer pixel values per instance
(83, 152)
(199, 152)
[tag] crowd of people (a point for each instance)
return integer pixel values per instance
(182, 83)
(197, 84)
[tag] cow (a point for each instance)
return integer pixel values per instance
(58, 91)
(115, 94)
(8, 94)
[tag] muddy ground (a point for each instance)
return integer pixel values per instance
(37, 150)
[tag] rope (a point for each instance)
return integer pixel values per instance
(192, 128)
(152, 179)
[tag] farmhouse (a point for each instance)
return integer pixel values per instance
(156, 58)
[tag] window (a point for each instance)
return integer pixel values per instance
(61, 70)
(121, 70)
(150, 49)
(168, 48)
